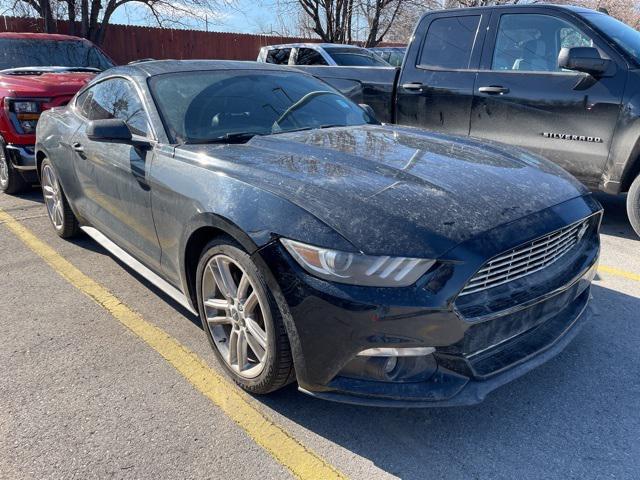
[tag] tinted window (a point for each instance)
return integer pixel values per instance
(207, 106)
(17, 52)
(355, 57)
(115, 98)
(279, 56)
(449, 42)
(308, 56)
(532, 42)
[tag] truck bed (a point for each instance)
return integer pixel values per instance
(371, 85)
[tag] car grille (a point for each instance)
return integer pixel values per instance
(526, 259)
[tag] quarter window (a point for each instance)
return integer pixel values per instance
(115, 98)
(449, 42)
(532, 42)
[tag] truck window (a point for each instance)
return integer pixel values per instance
(449, 42)
(279, 56)
(308, 56)
(532, 42)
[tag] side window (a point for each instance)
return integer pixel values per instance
(116, 98)
(532, 42)
(449, 42)
(308, 56)
(279, 56)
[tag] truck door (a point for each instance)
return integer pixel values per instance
(435, 89)
(523, 98)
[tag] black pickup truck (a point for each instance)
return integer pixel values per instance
(563, 82)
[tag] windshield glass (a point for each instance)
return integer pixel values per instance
(355, 57)
(621, 33)
(209, 106)
(18, 52)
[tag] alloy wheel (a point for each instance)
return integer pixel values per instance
(52, 197)
(235, 315)
(4, 170)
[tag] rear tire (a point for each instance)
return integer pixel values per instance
(241, 318)
(60, 214)
(633, 205)
(11, 181)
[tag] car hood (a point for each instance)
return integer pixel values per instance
(45, 85)
(398, 190)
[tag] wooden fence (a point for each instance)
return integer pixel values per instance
(125, 43)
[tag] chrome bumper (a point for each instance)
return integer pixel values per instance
(22, 157)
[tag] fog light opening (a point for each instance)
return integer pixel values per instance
(390, 364)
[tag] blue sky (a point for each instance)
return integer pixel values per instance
(245, 16)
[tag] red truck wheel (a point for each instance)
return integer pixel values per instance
(10, 180)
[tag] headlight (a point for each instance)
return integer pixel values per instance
(24, 114)
(26, 107)
(357, 269)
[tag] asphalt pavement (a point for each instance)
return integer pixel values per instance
(82, 396)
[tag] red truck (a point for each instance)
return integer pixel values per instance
(37, 71)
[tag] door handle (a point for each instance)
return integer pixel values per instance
(494, 90)
(77, 147)
(412, 86)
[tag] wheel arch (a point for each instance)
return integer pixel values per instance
(202, 229)
(630, 174)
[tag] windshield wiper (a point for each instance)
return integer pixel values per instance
(239, 137)
(302, 129)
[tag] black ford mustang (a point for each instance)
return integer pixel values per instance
(373, 264)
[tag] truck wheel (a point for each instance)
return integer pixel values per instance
(633, 205)
(10, 180)
(62, 218)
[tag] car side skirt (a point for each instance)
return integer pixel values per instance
(138, 267)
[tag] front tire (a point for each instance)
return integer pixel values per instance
(633, 205)
(60, 214)
(11, 181)
(241, 318)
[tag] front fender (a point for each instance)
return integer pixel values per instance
(187, 197)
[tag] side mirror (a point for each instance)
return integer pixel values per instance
(370, 111)
(583, 59)
(114, 130)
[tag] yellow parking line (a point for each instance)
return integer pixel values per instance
(619, 273)
(302, 462)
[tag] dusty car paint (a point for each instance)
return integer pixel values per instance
(380, 190)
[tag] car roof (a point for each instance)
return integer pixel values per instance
(158, 67)
(40, 36)
(313, 44)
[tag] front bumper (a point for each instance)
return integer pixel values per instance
(481, 342)
(447, 388)
(22, 157)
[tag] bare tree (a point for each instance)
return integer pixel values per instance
(627, 11)
(90, 18)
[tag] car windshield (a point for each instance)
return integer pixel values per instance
(234, 105)
(621, 33)
(18, 52)
(355, 57)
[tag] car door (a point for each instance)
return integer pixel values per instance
(115, 196)
(523, 98)
(435, 89)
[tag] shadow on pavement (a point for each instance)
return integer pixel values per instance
(615, 220)
(574, 417)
